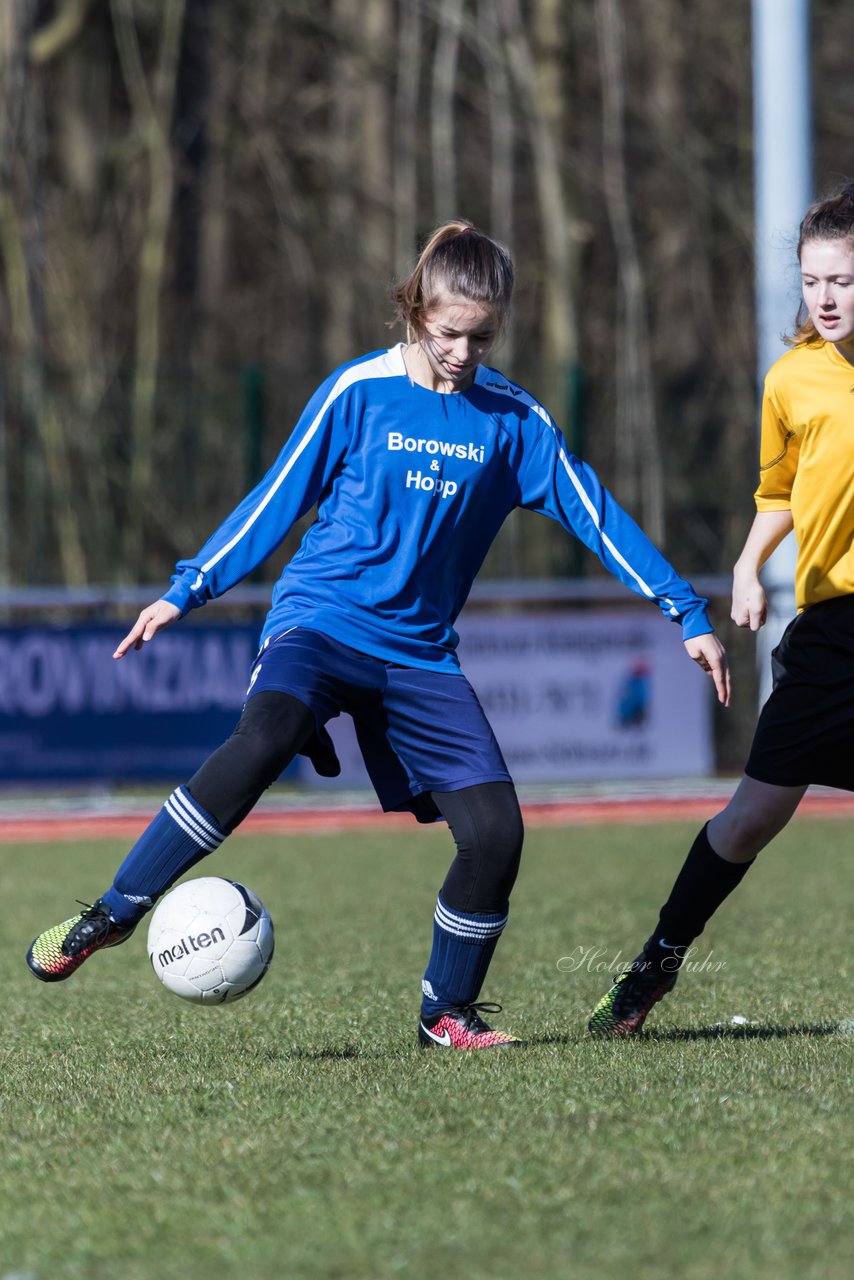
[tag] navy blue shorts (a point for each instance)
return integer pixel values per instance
(418, 731)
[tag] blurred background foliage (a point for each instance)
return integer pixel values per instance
(203, 203)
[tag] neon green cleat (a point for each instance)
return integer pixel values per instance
(623, 1008)
(58, 952)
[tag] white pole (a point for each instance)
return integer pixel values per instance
(782, 133)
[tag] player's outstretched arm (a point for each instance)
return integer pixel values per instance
(749, 607)
(709, 654)
(152, 619)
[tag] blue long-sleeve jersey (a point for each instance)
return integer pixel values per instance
(411, 487)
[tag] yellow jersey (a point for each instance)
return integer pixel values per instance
(806, 465)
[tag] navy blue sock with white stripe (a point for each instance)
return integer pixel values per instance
(181, 835)
(462, 949)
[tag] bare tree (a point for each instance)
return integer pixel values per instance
(405, 137)
(559, 327)
(343, 99)
(637, 456)
(49, 503)
(443, 132)
(373, 149)
(152, 104)
(501, 124)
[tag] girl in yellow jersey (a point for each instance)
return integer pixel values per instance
(805, 732)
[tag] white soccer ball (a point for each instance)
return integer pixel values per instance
(210, 940)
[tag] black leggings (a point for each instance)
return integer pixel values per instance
(486, 824)
(485, 820)
(273, 729)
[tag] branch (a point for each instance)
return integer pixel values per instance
(63, 29)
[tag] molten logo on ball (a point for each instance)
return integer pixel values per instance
(184, 947)
(210, 940)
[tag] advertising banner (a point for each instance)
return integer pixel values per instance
(604, 694)
(597, 694)
(69, 712)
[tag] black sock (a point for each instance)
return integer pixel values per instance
(704, 882)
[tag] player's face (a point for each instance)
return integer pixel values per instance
(457, 336)
(827, 281)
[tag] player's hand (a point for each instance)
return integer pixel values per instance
(709, 654)
(749, 606)
(149, 622)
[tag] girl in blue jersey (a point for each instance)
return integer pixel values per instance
(414, 456)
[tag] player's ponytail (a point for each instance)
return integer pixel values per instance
(828, 219)
(457, 261)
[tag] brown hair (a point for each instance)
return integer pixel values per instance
(829, 219)
(457, 260)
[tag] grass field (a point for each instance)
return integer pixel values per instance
(301, 1133)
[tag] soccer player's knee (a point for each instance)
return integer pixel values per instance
(744, 831)
(268, 735)
(504, 839)
(499, 840)
(271, 731)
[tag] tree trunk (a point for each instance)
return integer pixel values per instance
(559, 334)
(442, 130)
(405, 168)
(49, 483)
(339, 280)
(153, 107)
(501, 132)
(638, 457)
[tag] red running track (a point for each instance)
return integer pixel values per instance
(614, 809)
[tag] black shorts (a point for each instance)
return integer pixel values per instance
(805, 732)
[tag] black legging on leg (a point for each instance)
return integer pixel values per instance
(273, 728)
(485, 820)
(486, 823)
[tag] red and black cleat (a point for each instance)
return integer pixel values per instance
(463, 1028)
